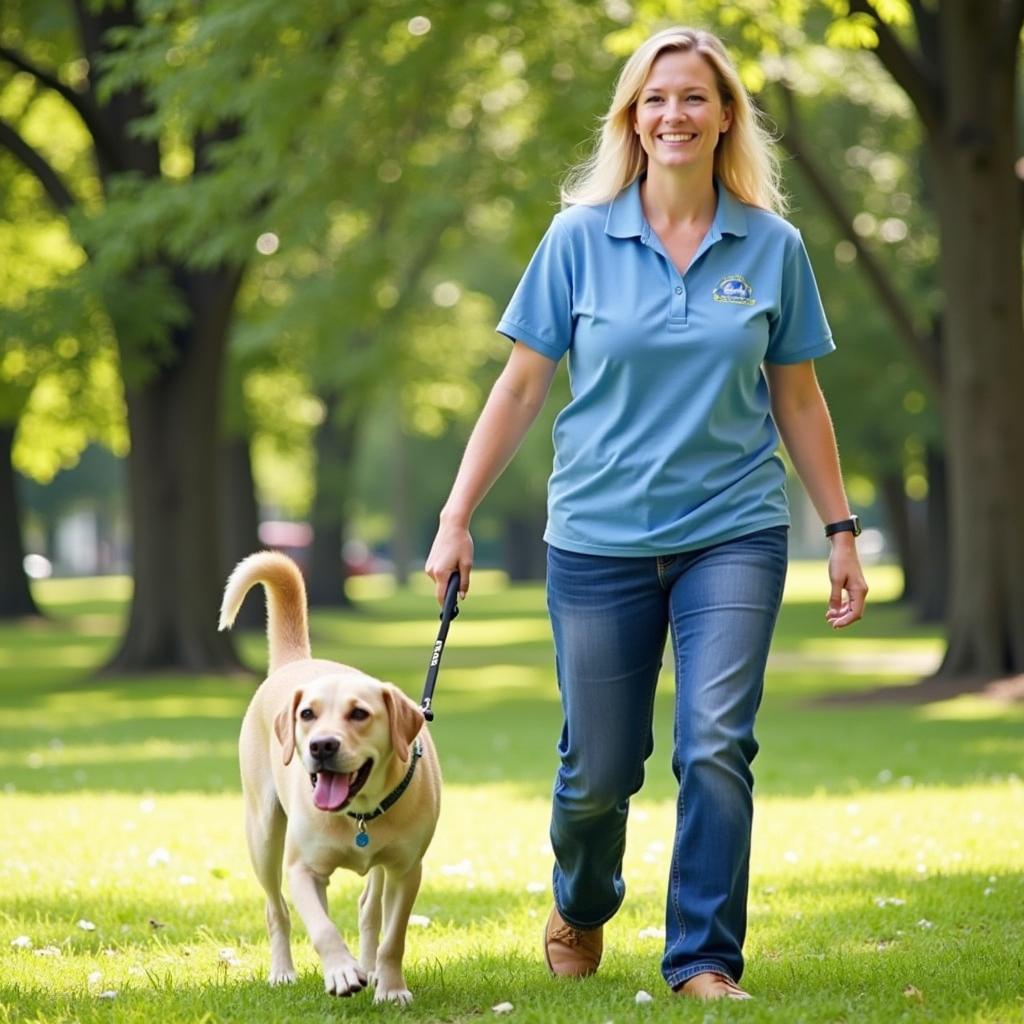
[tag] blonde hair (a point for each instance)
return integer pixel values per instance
(744, 159)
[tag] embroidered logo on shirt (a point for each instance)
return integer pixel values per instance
(734, 289)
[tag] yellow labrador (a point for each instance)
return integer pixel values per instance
(338, 771)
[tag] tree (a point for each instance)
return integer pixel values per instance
(961, 74)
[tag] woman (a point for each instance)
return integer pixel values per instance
(691, 319)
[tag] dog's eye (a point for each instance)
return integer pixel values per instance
(307, 715)
(358, 715)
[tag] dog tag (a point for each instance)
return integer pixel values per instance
(362, 837)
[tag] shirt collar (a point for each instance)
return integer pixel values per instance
(626, 214)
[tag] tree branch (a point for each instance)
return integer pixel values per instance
(1012, 21)
(906, 67)
(83, 104)
(929, 35)
(37, 164)
(923, 346)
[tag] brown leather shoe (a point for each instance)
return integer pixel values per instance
(571, 952)
(711, 985)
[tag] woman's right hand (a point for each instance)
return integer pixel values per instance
(452, 549)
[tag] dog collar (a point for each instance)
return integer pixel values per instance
(362, 836)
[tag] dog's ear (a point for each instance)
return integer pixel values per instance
(406, 720)
(284, 727)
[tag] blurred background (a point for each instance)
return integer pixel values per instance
(252, 253)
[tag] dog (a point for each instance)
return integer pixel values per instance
(338, 771)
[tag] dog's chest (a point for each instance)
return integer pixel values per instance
(337, 847)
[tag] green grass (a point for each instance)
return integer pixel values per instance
(120, 807)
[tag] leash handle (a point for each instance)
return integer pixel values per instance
(448, 612)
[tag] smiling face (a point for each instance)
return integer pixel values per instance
(345, 730)
(679, 113)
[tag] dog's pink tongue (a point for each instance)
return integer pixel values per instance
(331, 791)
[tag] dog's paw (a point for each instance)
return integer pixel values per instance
(287, 976)
(344, 979)
(401, 996)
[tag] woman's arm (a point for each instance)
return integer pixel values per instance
(806, 428)
(516, 398)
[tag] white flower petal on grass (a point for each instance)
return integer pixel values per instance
(419, 920)
(86, 926)
(22, 942)
(109, 994)
(993, 879)
(536, 887)
(186, 880)
(889, 901)
(158, 856)
(988, 891)
(147, 806)
(651, 933)
(503, 1008)
(643, 997)
(791, 856)
(885, 776)
(228, 956)
(925, 923)
(48, 951)
(95, 978)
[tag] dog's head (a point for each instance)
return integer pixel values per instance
(345, 729)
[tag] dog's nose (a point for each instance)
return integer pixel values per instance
(324, 747)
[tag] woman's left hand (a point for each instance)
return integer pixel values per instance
(849, 588)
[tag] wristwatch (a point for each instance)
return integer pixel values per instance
(851, 525)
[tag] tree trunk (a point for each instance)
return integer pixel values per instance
(933, 558)
(899, 516)
(525, 554)
(401, 512)
(174, 423)
(979, 203)
(336, 440)
(240, 523)
(16, 598)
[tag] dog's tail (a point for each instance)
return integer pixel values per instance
(287, 626)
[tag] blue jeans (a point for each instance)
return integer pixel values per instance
(610, 617)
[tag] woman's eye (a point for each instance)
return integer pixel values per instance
(306, 714)
(359, 715)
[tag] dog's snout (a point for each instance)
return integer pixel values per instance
(324, 747)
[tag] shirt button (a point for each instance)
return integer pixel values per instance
(679, 291)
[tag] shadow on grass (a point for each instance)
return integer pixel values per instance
(803, 751)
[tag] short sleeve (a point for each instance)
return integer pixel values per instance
(800, 331)
(540, 311)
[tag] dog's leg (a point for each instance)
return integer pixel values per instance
(369, 922)
(399, 895)
(342, 974)
(265, 827)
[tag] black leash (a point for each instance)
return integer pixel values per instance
(448, 612)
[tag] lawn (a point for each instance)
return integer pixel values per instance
(886, 876)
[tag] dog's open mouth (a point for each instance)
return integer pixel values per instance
(333, 790)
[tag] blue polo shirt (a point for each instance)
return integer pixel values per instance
(668, 442)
